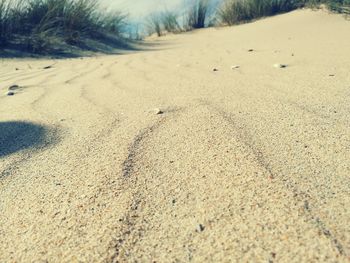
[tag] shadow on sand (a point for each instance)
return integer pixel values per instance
(106, 46)
(19, 135)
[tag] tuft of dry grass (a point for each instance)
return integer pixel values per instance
(162, 23)
(339, 6)
(154, 24)
(197, 15)
(238, 11)
(42, 25)
(170, 22)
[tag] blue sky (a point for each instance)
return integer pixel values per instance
(140, 8)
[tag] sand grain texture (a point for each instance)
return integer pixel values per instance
(244, 165)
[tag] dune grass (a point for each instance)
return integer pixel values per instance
(42, 25)
(339, 6)
(170, 22)
(197, 15)
(154, 24)
(238, 11)
(162, 23)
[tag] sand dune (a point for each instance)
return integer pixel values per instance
(249, 164)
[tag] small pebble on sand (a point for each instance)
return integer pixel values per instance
(215, 69)
(157, 111)
(200, 228)
(280, 65)
(10, 93)
(14, 87)
(250, 50)
(235, 67)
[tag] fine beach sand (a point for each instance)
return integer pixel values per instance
(249, 164)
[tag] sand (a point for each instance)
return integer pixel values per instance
(247, 163)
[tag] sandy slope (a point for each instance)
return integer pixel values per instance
(246, 165)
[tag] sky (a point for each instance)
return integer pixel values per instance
(141, 8)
